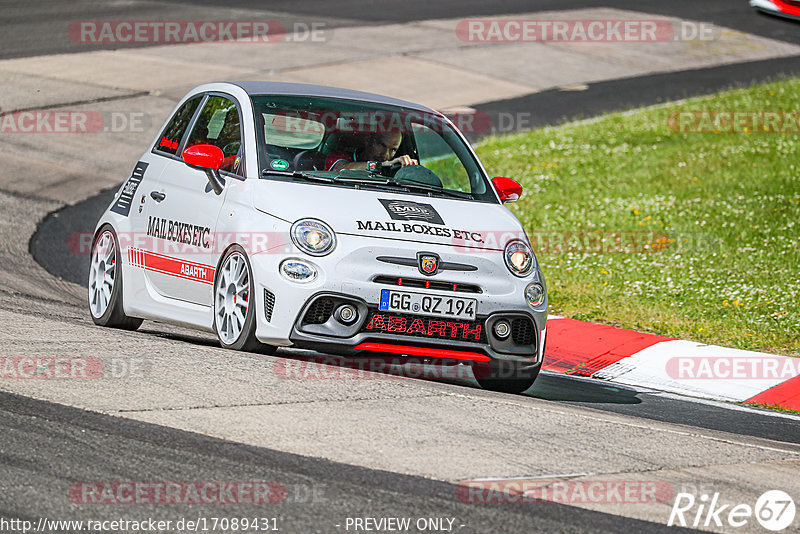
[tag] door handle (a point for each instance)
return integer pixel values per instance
(158, 196)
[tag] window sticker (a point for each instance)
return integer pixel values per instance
(123, 203)
(216, 123)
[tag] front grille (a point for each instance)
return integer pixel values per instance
(423, 327)
(320, 311)
(269, 304)
(522, 331)
(422, 283)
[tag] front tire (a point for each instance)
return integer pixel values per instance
(506, 377)
(235, 304)
(105, 283)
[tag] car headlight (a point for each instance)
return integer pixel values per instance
(519, 258)
(313, 237)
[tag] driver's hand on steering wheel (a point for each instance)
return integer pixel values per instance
(403, 160)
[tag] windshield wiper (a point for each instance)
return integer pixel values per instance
(386, 182)
(323, 179)
(436, 190)
(299, 174)
(408, 186)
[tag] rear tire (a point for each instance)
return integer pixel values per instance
(506, 377)
(105, 283)
(235, 304)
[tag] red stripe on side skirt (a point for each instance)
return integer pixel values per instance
(174, 267)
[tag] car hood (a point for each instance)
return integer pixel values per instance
(385, 215)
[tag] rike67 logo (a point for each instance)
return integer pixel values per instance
(774, 510)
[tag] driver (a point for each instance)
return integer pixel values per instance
(378, 151)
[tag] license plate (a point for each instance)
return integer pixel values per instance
(431, 305)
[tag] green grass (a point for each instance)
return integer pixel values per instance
(776, 407)
(722, 212)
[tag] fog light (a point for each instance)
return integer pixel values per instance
(346, 314)
(534, 294)
(502, 329)
(298, 271)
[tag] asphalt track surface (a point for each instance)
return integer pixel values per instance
(45, 446)
(36, 28)
(319, 493)
(40, 436)
(555, 105)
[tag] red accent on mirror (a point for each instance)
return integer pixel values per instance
(205, 156)
(507, 189)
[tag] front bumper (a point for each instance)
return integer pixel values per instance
(318, 328)
(349, 275)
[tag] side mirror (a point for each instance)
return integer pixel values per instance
(209, 159)
(507, 189)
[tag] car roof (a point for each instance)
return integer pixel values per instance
(305, 89)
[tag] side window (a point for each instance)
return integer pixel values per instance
(219, 125)
(171, 136)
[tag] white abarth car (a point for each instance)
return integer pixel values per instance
(291, 215)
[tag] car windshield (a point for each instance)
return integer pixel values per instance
(349, 143)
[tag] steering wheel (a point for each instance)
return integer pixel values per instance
(391, 170)
(418, 174)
